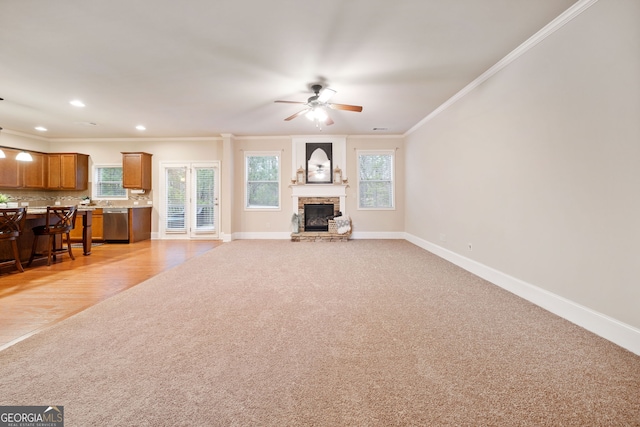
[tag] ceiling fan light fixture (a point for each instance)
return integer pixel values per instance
(317, 105)
(317, 114)
(23, 156)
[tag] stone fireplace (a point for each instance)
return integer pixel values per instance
(315, 212)
(310, 189)
(329, 199)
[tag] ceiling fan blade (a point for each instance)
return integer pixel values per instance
(346, 107)
(299, 113)
(325, 94)
(291, 102)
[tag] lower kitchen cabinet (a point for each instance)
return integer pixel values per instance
(139, 224)
(96, 227)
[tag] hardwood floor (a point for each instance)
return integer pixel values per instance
(42, 296)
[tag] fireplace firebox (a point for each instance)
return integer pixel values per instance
(317, 216)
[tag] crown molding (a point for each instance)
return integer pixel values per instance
(134, 139)
(532, 41)
(24, 135)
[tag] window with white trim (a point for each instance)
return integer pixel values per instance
(107, 182)
(262, 180)
(376, 179)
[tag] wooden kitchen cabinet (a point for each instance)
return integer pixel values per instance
(97, 229)
(9, 169)
(35, 173)
(139, 224)
(30, 175)
(68, 171)
(136, 170)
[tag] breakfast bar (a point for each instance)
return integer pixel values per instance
(37, 216)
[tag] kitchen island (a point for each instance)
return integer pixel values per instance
(37, 216)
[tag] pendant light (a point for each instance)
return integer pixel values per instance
(23, 156)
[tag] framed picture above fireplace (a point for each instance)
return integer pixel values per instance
(319, 157)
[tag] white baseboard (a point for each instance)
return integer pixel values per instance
(624, 335)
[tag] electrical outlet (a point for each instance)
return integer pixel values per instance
(136, 203)
(149, 202)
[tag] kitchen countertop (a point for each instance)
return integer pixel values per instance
(43, 209)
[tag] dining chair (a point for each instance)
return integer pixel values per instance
(60, 220)
(11, 225)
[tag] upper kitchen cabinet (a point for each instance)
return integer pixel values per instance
(20, 174)
(34, 173)
(136, 170)
(9, 169)
(68, 171)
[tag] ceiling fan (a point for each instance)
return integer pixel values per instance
(317, 105)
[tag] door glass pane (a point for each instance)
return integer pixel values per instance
(176, 198)
(205, 199)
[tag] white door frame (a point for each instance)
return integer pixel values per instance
(190, 232)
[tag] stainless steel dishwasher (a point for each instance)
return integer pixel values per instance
(116, 224)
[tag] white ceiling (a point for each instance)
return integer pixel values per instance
(196, 68)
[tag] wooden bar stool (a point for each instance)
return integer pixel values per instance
(60, 220)
(11, 225)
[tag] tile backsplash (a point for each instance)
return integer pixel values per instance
(37, 198)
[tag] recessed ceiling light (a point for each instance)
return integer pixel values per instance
(141, 127)
(77, 103)
(41, 128)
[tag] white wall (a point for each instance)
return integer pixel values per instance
(376, 223)
(262, 224)
(12, 139)
(108, 151)
(538, 168)
(366, 224)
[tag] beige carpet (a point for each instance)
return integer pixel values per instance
(363, 333)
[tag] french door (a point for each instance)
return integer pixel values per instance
(190, 200)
